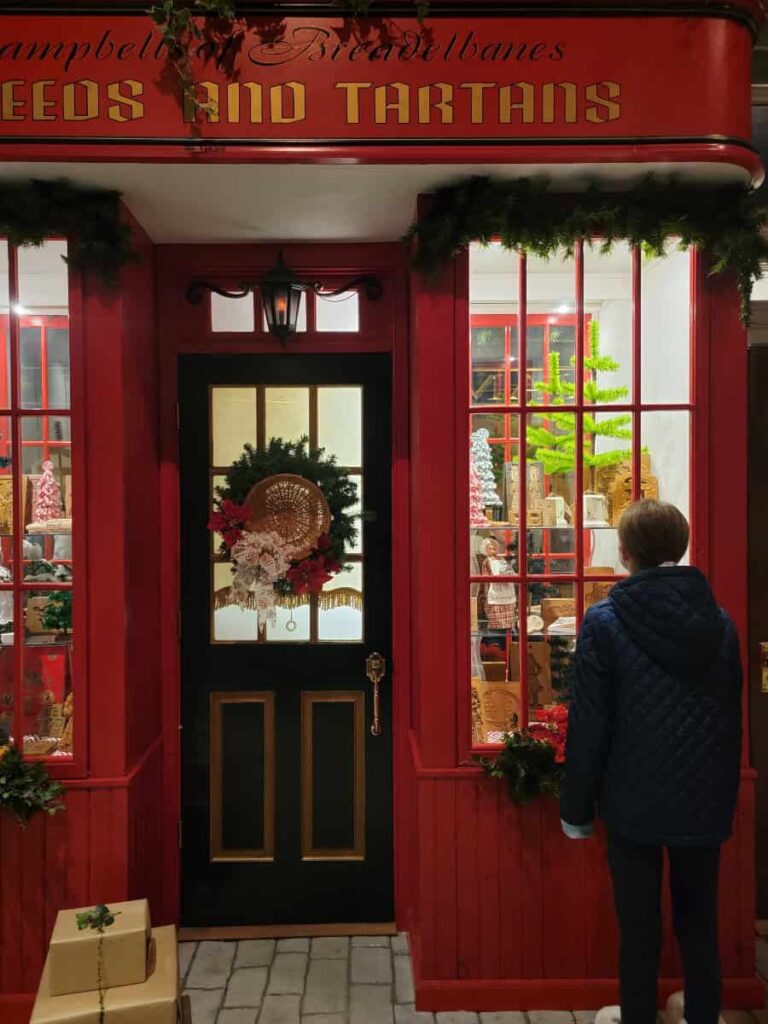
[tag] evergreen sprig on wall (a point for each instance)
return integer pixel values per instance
(725, 221)
(89, 218)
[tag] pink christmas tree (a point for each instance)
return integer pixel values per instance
(47, 503)
(477, 516)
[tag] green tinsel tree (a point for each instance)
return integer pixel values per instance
(553, 436)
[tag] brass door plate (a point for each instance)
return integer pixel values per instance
(764, 667)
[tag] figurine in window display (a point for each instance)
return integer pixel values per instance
(654, 743)
(500, 598)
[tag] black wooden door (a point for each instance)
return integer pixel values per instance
(286, 794)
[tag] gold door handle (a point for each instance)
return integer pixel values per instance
(764, 668)
(376, 669)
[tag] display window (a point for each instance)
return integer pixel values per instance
(36, 565)
(580, 400)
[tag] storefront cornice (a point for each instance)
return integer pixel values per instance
(749, 12)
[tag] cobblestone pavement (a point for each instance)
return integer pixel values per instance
(357, 980)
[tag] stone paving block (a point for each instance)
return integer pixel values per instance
(371, 965)
(330, 948)
(737, 1017)
(211, 965)
(186, 953)
(457, 1017)
(280, 1010)
(255, 953)
(550, 1017)
(205, 1004)
(400, 944)
(293, 945)
(761, 957)
(585, 1016)
(246, 987)
(323, 1018)
(502, 1018)
(371, 1004)
(370, 940)
(287, 975)
(404, 980)
(410, 1015)
(242, 1016)
(326, 988)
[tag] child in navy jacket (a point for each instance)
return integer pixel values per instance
(654, 742)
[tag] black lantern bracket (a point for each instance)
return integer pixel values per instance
(277, 287)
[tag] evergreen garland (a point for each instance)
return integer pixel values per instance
(89, 218)
(726, 221)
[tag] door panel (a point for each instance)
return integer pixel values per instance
(287, 806)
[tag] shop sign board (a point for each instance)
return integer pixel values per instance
(326, 80)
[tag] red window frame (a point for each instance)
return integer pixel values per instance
(11, 410)
(522, 408)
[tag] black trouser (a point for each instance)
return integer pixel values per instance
(637, 875)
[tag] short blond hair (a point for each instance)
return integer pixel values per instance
(653, 532)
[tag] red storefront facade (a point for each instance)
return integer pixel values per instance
(503, 911)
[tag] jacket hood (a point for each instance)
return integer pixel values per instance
(672, 615)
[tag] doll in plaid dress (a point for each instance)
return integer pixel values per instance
(500, 598)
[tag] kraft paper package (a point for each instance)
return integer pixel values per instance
(73, 954)
(156, 1001)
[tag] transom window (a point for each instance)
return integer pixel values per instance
(579, 402)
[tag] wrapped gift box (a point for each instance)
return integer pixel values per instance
(156, 1001)
(73, 955)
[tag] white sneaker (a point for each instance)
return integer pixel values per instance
(676, 1009)
(608, 1015)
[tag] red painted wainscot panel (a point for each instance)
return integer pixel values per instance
(514, 916)
(103, 848)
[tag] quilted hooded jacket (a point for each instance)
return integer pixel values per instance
(654, 732)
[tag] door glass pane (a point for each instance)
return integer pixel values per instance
(292, 625)
(666, 328)
(495, 660)
(340, 424)
(356, 547)
(608, 313)
(30, 343)
(233, 422)
(287, 413)
(230, 622)
(340, 615)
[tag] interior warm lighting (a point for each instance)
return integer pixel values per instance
(20, 310)
(564, 308)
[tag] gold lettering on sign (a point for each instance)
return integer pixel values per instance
(444, 104)
(81, 100)
(125, 108)
(526, 103)
(298, 103)
(612, 110)
(401, 104)
(9, 102)
(41, 104)
(476, 90)
(548, 100)
(352, 90)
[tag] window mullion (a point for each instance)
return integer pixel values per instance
(522, 512)
(18, 531)
(637, 444)
(579, 429)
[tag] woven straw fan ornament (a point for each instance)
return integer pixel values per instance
(293, 508)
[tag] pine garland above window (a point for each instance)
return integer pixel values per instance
(89, 218)
(726, 221)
